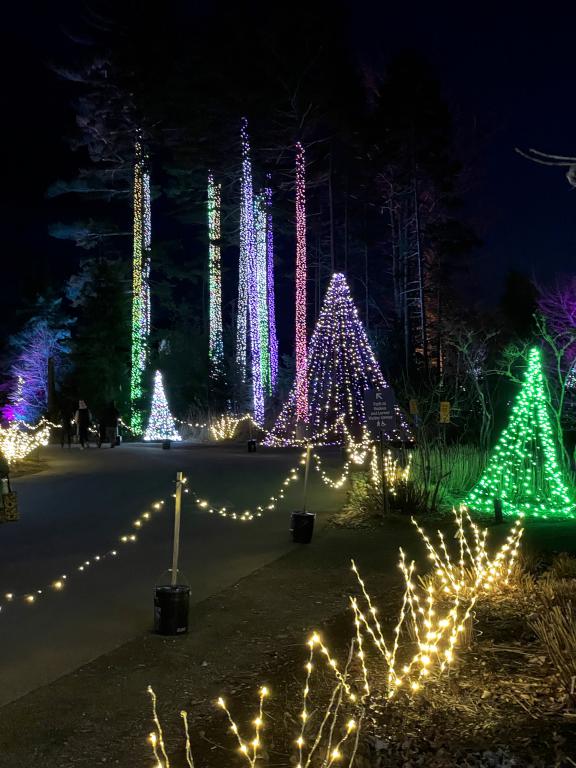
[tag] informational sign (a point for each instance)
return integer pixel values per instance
(413, 407)
(444, 412)
(380, 409)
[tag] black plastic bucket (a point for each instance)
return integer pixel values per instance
(251, 446)
(171, 607)
(166, 445)
(302, 527)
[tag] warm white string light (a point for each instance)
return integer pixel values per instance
(16, 443)
(436, 614)
(60, 582)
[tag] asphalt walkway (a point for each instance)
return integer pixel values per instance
(82, 504)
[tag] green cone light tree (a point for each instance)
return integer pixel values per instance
(523, 471)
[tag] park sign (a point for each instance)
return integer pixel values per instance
(380, 406)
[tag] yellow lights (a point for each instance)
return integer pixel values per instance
(247, 747)
(249, 515)
(431, 623)
(225, 426)
(436, 614)
(58, 584)
(474, 570)
(17, 442)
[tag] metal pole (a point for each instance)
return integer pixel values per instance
(384, 486)
(308, 450)
(176, 544)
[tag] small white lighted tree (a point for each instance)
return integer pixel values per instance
(161, 425)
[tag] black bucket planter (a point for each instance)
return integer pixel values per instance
(171, 608)
(302, 527)
(251, 446)
(166, 445)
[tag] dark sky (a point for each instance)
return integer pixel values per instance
(510, 79)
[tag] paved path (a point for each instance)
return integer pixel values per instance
(80, 505)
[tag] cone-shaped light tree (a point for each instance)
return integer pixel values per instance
(341, 368)
(523, 471)
(161, 425)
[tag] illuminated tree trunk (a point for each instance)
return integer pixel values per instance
(248, 319)
(301, 298)
(216, 342)
(140, 287)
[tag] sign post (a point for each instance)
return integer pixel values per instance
(306, 470)
(172, 601)
(380, 408)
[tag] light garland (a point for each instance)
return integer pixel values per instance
(140, 286)
(249, 515)
(523, 471)
(358, 453)
(341, 369)
(301, 394)
(216, 342)
(17, 440)
(161, 424)
(193, 424)
(60, 582)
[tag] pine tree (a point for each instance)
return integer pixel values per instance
(341, 368)
(523, 471)
(161, 425)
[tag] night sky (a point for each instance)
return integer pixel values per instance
(510, 81)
